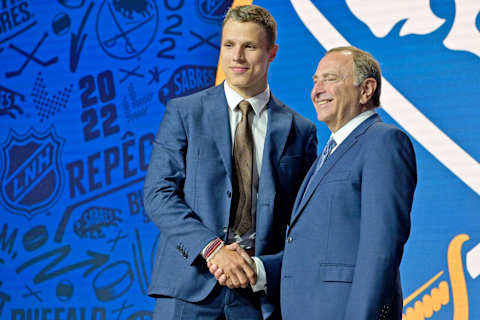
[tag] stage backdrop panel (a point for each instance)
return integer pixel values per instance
(83, 87)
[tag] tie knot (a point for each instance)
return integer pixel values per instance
(245, 107)
(330, 145)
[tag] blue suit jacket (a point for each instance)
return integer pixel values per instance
(188, 189)
(346, 236)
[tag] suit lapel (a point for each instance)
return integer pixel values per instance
(330, 163)
(304, 184)
(278, 129)
(216, 106)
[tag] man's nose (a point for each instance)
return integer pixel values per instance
(318, 87)
(238, 54)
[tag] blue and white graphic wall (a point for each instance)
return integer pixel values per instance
(83, 87)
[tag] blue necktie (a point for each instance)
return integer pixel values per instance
(322, 158)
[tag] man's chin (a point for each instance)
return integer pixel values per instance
(239, 83)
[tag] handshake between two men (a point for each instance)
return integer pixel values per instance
(233, 267)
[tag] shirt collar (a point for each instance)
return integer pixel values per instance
(258, 102)
(341, 134)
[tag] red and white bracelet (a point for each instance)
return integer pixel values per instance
(212, 248)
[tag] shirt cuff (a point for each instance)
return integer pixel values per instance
(261, 283)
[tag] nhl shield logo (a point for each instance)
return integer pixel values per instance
(213, 10)
(31, 172)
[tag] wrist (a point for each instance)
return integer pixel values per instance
(212, 249)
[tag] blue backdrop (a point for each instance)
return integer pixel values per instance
(83, 87)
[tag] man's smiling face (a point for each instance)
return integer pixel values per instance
(246, 56)
(334, 95)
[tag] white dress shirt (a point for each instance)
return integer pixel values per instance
(351, 125)
(258, 120)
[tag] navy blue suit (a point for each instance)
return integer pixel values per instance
(188, 190)
(346, 236)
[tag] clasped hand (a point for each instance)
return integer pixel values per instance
(233, 267)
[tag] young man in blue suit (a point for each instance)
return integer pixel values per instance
(225, 167)
(351, 218)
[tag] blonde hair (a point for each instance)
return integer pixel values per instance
(257, 14)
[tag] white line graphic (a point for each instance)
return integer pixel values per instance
(398, 107)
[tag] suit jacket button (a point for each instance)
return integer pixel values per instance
(289, 239)
(225, 229)
(229, 194)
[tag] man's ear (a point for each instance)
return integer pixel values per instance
(273, 52)
(368, 88)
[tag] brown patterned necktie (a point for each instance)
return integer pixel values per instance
(243, 161)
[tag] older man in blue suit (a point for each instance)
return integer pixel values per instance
(224, 171)
(351, 218)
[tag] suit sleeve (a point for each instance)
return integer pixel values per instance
(273, 263)
(388, 183)
(163, 189)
